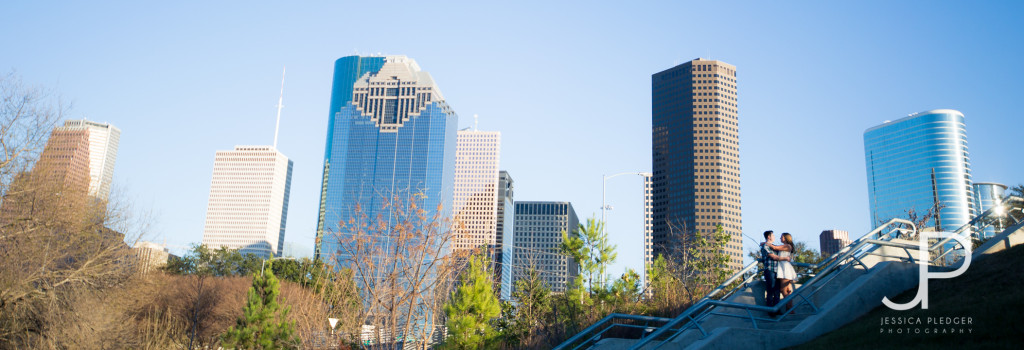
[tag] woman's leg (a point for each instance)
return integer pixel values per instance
(785, 289)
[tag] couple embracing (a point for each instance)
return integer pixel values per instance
(779, 274)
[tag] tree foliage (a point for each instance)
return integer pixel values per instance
(223, 262)
(472, 308)
(263, 324)
(201, 260)
(60, 250)
(590, 248)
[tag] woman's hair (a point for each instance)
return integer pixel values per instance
(787, 238)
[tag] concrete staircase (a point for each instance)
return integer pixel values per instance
(850, 284)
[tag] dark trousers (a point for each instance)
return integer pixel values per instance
(771, 288)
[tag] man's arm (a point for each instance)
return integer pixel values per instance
(777, 258)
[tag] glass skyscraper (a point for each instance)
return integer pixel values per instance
(986, 196)
(695, 155)
(917, 163)
(390, 135)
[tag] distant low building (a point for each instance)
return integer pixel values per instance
(298, 251)
(832, 241)
(151, 256)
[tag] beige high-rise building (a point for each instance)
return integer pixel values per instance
(103, 142)
(695, 155)
(476, 189)
(648, 227)
(248, 204)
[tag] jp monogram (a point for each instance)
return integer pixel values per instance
(922, 261)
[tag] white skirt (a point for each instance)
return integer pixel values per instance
(786, 271)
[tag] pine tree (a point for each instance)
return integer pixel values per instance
(262, 325)
(471, 309)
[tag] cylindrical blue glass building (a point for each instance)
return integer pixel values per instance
(919, 163)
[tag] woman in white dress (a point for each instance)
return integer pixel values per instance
(787, 274)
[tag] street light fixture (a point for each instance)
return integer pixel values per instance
(605, 207)
(604, 184)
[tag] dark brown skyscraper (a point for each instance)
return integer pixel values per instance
(695, 154)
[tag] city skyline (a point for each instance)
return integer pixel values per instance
(585, 117)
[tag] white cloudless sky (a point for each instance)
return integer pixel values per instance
(567, 84)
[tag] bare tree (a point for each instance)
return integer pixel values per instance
(694, 263)
(403, 267)
(61, 251)
(27, 115)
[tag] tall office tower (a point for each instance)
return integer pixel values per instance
(60, 174)
(66, 158)
(648, 226)
(390, 135)
(506, 214)
(988, 195)
(476, 189)
(535, 241)
(831, 241)
(103, 143)
(248, 205)
(918, 163)
(695, 155)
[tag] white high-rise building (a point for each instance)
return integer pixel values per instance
(103, 141)
(476, 189)
(248, 204)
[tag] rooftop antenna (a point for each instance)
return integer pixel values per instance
(476, 122)
(280, 100)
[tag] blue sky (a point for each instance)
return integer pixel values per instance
(567, 84)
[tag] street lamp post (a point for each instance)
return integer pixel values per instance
(605, 207)
(604, 185)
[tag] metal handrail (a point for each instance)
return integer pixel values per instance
(840, 256)
(687, 314)
(584, 334)
(844, 254)
(986, 215)
(863, 246)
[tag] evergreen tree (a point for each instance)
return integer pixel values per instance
(590, 248)
(262, 325)
(471, 309)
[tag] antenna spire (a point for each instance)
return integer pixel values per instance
(476, 122)
(280, 100)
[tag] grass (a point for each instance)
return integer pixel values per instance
(990, 292)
